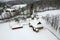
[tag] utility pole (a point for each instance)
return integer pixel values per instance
(31, 9)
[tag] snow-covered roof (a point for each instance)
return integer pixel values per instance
(10, 9)
(19, 6)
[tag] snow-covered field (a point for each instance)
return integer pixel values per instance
(27, 33)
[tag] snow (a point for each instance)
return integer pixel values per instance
(47, 25)
(10, 9)
(35, 22)
(27, 33)
(51, 12)
(19, 6)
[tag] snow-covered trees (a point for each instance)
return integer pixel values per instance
(54, 21)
